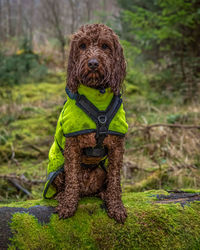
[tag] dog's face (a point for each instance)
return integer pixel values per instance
(96, 59)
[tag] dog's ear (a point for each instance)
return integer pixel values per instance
(72, 81)
(119, 67)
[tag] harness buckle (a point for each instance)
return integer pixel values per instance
(102, 119)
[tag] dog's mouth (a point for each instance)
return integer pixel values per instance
(95, 78)
(94, 75)
(92, 78)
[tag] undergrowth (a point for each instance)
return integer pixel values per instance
(159, 157)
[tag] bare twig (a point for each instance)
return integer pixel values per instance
(129, 150)
(148, 127)
(36, 149)
(13, 156)
(19, 187)
(173, 126)
(21, 178)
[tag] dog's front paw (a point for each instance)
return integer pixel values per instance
(65, 211)
(117, 212)
(66, 207)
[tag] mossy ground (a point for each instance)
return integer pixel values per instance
(163, 158)
(149, 225)
(28, 118)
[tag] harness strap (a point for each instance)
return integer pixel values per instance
(101, 118)
(93, 166)
(95, 151)
(50, 179)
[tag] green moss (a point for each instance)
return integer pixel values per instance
(51, 202)
(28, 119)
(38, 92)
(149, 225)
(187, 190)
(30, 203)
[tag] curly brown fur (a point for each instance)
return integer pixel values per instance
(98, 42)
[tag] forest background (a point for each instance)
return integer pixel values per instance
(161, 41)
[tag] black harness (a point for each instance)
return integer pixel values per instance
(101, 118)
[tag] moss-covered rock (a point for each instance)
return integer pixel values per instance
(150, 225)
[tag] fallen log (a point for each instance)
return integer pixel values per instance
(156, 220)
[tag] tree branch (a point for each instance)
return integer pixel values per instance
(148, 127)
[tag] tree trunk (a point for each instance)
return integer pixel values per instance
(1, 25)
(88, 9)
(9, 23)
(32, 12)
(19, 18)
(73, 17)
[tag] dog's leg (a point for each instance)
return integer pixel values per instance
(112, 195)
(68, 199)
(59, 183)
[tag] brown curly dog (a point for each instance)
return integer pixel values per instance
(96, 60)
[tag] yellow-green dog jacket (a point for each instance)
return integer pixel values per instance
(88, 110)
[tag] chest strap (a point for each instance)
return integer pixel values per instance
(101, 118)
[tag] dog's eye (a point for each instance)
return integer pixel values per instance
(104, 46)
(82, 46)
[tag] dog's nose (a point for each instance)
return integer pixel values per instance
(93, 63)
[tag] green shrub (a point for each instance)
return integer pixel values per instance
(17, 68)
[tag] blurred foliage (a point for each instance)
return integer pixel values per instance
(21, 66)
(161, 45)
(166, 33)
(28, 117)
(160, 158)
